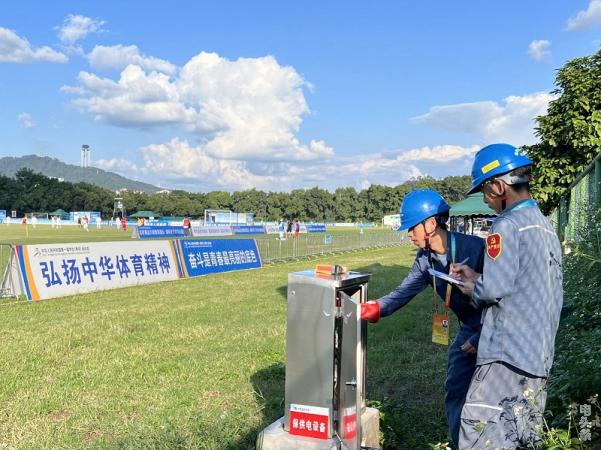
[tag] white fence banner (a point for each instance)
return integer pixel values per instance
(273, 229)
(212, 230)
(55, 270)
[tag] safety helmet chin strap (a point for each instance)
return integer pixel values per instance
(426, 235)
(427, 243)
(503, 201)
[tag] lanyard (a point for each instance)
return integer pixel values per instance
(523, 204)
(447, 299)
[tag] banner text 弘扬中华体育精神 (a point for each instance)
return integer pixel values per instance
(56, 270)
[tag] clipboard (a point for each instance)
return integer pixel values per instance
(445, 276)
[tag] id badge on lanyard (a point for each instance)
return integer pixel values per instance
(441, 323)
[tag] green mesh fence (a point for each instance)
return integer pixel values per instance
(575, 209)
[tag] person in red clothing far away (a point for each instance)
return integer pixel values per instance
(186, 226)
(296, 228)
(123, 223)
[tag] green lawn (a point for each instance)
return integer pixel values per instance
(196, 363)
(19, 234)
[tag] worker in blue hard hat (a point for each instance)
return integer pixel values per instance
(424, 214)
(520, 294)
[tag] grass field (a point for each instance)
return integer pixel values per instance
(196, 363)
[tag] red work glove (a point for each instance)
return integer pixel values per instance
(370, 311)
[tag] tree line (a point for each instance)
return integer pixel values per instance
(33, 192)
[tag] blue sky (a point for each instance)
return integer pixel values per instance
(280, 95)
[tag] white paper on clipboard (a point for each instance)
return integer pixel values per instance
(446, 277)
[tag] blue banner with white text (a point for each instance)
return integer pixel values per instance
(149, 232)
(204, 256)
(316, 228)
(248, 229)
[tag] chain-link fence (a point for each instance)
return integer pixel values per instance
(273, 249)
(574, 210)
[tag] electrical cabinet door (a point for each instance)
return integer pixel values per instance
(349, 419)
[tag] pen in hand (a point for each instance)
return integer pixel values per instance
(452, 271)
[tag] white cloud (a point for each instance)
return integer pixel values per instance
(117, 57)
(121, 165)
(589, 18)
(137, 100)
(393, 168)
(244, 116)
(512, 121)
(178, 164)
(26, 120)
(15, 49)
(441, 154)
(539, 49)
(76, 27)
(369, 169)
(74, 90)
(250, 108)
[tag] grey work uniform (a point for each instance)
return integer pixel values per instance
(520, 291)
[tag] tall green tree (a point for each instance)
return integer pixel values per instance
(276, 204)
(294, 208)
(348, 206)
(218, 200)
(251, 201)
(379, 201)
(318, 204)
(570, 132)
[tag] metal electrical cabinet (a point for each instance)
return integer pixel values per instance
(325, 366)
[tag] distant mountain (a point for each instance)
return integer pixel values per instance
(52, 167)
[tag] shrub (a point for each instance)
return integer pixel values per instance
(576, 373)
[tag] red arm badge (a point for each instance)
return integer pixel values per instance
(494, 245)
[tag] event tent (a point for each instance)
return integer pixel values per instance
(145, 214)
(470, 210)
(59, 213)
(472, 206)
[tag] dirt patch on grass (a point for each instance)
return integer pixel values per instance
(58, 416)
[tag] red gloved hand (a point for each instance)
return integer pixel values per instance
(370, 311)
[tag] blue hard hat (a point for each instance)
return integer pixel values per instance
(493, 160)
(419, 205)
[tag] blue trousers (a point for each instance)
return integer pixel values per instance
(460, 369)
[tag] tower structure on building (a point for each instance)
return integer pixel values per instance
(86, 153)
